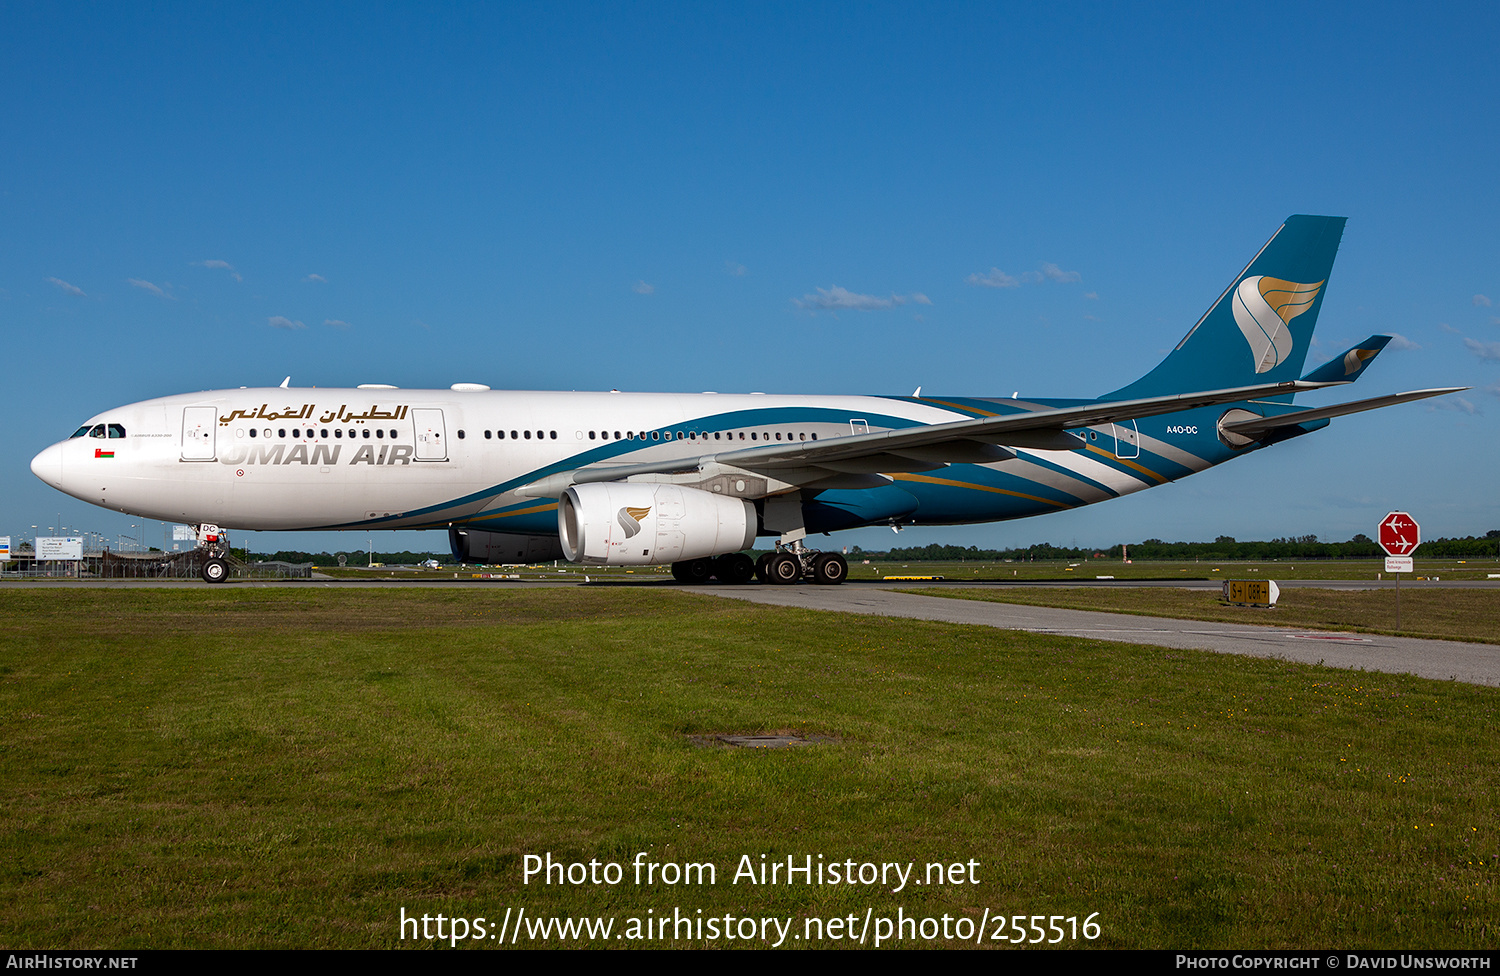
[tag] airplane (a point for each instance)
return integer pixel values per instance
(693, 480)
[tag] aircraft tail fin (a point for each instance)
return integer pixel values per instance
(1259, 329)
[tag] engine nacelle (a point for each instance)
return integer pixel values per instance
(622, 524)
(478, 546)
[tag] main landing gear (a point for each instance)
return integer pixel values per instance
(788, 564)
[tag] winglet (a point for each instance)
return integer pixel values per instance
(1347, 367)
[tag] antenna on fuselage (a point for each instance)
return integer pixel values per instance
(285, 383)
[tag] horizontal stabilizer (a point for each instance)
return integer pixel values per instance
(1257, 426)
(1347, 367)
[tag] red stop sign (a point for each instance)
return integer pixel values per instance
(1399, 534)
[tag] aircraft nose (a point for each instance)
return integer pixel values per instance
(48, 466)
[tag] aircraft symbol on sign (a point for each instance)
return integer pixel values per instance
(1399, 534)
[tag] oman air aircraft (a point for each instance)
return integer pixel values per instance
(692, 480)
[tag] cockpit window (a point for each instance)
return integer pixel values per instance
(80, 431)
(98, 431)
(116, 430)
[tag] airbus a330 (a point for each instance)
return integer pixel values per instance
(693, 480)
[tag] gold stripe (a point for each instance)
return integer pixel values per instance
(547, 507)
(964, 484)
(1129, 464)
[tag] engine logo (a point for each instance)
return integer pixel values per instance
(630, 520)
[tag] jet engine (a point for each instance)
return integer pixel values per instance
(623, 524)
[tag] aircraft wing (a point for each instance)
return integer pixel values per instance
(920, 448)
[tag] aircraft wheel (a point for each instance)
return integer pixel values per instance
(784, 568)
(215, 571)
(735, 568)
(761, 572)
(693, 570)
(830, 569)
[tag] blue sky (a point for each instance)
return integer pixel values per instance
(775, 197)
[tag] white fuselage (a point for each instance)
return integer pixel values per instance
(331, 458)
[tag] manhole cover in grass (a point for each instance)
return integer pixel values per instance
(780, 741)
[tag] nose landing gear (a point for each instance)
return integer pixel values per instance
(213, 544)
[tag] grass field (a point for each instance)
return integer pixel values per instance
(297, 767)
(1455, 614)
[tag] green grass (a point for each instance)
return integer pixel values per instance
(1457, 614)
(250, 767)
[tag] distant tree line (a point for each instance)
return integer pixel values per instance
(359, 557)
(1223, 548)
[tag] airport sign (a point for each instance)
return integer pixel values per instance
(1399, 534)
(59, 547)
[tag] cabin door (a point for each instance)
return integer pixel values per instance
(198, 426)
(432, 439)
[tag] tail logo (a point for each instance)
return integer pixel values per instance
(1354, 359)
(630, 520)
(1263, 308)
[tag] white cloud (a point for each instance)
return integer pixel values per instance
(316, 277)
(1489, 351)
(336, 323)
(641, 288)
(221, 265)
(1493, 389)
(738, 270)
(1401, 342)
(1482, 301)
(148, 286)
(1456, 404)
(282, 322)
(838, 299)
(1055, 273)
(70, 289)
(994, 278)
(1092, 296)
(1447, 328)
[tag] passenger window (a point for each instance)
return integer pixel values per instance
(336, 432)
(528, 435)
(323, 433)
(281, 432)
(379, 432)
(488, 434)
(460, 435)
(366, 433)
(551, 433)
(591, 435)
(513, 435)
